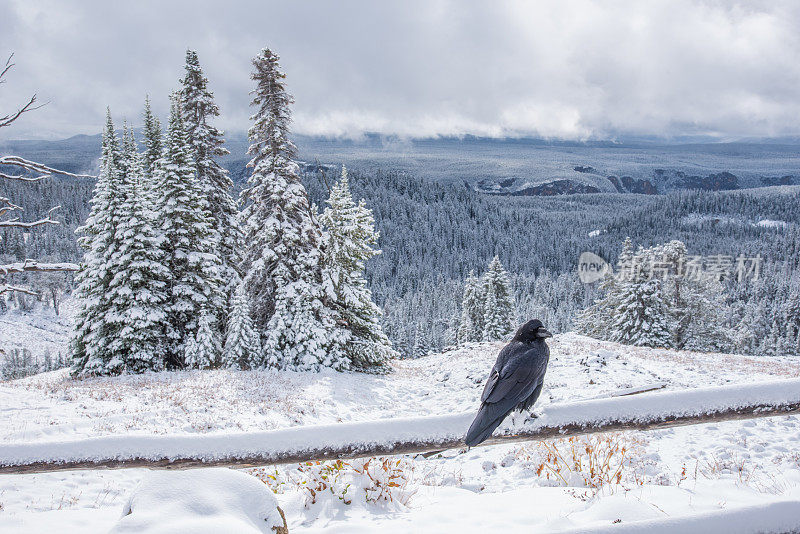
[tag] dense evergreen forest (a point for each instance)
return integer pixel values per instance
(432, 235)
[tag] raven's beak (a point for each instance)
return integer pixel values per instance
(542, 332)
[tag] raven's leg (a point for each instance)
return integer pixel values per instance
(528, 403)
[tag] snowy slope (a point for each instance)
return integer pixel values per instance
(667, 473)
(39, 331)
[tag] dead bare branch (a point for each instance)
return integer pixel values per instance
(16, 223)
(6, 206)
(36, 266)
(7, 120)
(39, 172)
(35, 167)
(10, 289)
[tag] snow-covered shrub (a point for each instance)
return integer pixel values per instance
(212, 500)
(377, 480)
(596, 462)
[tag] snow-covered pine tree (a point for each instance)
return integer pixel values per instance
(90, 342)
(492, 328)
(195, 283)
(595, 320)
(206, 141)
(153, 150)
(202, 350)
(349, 238)
(698, 313)
(283, 239)
(138, 291)
(708, 314)
(153, 142)
(791, 312)
(625, 260)
(421, 345)
(470, 327)
(242, 343)
(752, 331)
(641, 313)
(500, 316)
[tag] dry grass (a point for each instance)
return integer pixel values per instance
(598, 461)
(377, 480)
(199, 401)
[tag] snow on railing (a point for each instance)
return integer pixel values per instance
(403, 436)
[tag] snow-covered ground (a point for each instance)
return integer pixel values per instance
(622, 478)
(40, 331)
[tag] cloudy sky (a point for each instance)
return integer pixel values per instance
(569, 69)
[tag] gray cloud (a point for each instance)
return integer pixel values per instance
(573, 69)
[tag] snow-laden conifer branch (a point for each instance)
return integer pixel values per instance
(404, 436)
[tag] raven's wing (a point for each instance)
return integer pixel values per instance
(505, 389)
(494, 378)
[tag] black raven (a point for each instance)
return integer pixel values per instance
(515, 381)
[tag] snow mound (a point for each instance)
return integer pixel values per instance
(212, 501)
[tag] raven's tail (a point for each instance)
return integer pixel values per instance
(482, 427)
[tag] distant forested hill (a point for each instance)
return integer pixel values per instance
(511, 166)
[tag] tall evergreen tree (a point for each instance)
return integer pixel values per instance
(153, 142)
(641, 314)
(697, 308)
(91, 340)
(283, 239)
(349, 242)
(641, 318)
(195, 283)
(206, 141)
(137, 291)
(791, 311)
(492, 328)
(500, 315)
(242, 343)
(597, 318)
(470, 326)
